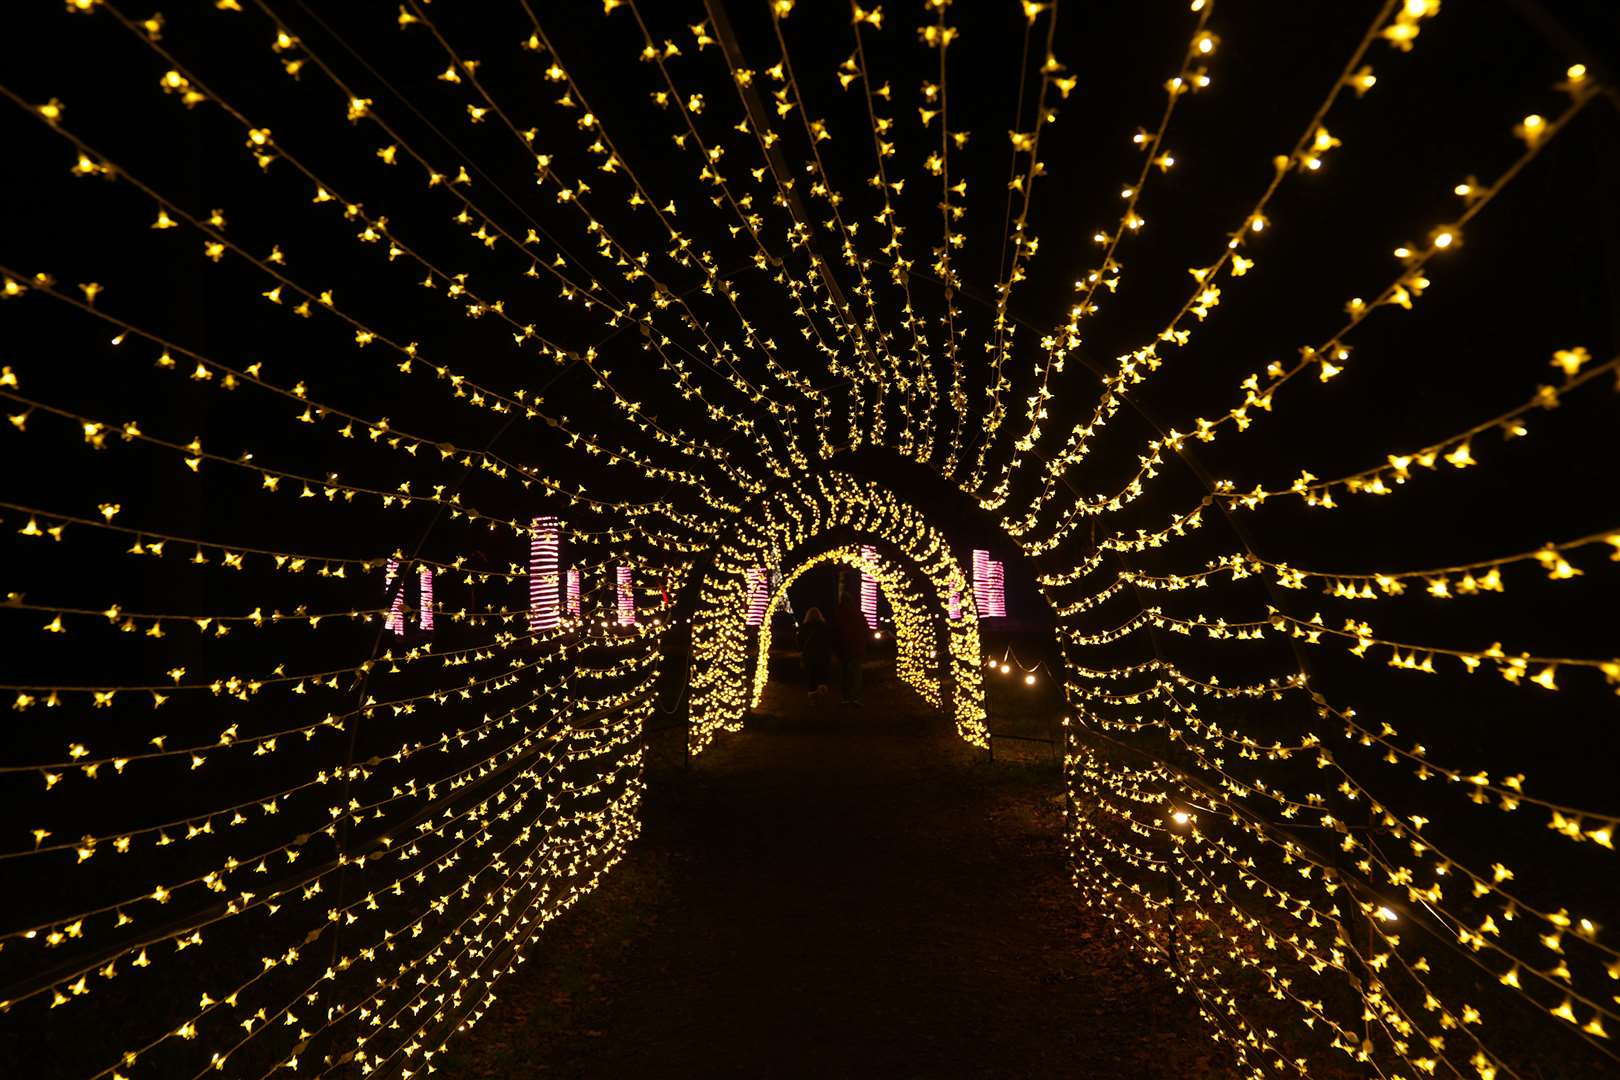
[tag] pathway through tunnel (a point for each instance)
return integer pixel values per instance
(839, 892)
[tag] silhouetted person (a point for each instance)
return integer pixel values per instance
(853, 634)
(815, 643)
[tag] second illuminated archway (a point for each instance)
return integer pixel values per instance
(788, 521)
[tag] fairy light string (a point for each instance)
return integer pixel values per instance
(754, 395)
(709, 172)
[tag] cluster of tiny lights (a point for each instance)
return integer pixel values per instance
(309, 834)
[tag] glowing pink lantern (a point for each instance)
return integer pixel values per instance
(544, 537)
(396, 602)
(573, 591)
(627, 598)
(425, 599)
(995, 600)
(758, 595)
(989, 589)
(869, 587)
(981, 581)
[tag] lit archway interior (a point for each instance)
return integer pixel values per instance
(921, 632)
(727, 678)
(400, 396)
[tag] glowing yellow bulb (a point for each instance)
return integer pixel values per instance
(1531, 129)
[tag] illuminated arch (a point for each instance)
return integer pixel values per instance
(787, 520)
(919, 647)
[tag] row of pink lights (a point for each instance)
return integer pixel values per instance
(546, 598)
(544, 582)
(989, 585)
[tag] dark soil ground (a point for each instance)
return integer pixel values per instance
(832, 893)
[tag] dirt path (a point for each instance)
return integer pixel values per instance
(842, 893)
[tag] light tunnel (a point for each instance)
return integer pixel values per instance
(403, 400)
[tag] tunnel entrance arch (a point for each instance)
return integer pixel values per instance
(723, 672)
(922, 642)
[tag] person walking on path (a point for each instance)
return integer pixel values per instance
(815, 647)
(853, 634)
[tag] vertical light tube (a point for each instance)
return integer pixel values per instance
(954, 604)
(396, 599)
(425, 599)
(544, 535)
(627, 598)
(981, 582)
(573, 591)
(869, 587)
(757, 595)
(996, 600)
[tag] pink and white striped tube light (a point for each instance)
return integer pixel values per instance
(573, 591)
(396, 601)
(981, 581)
(989, 588)
(425, 599)
(995, 598)
(758, 595)
(627, 598)
(544, 537)
(953, 605)
(869, 587)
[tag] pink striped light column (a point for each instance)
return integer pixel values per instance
(545, 537)
(627, 598)
(425, 599)
(396, 602)
(758, 595)
(869, 587)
